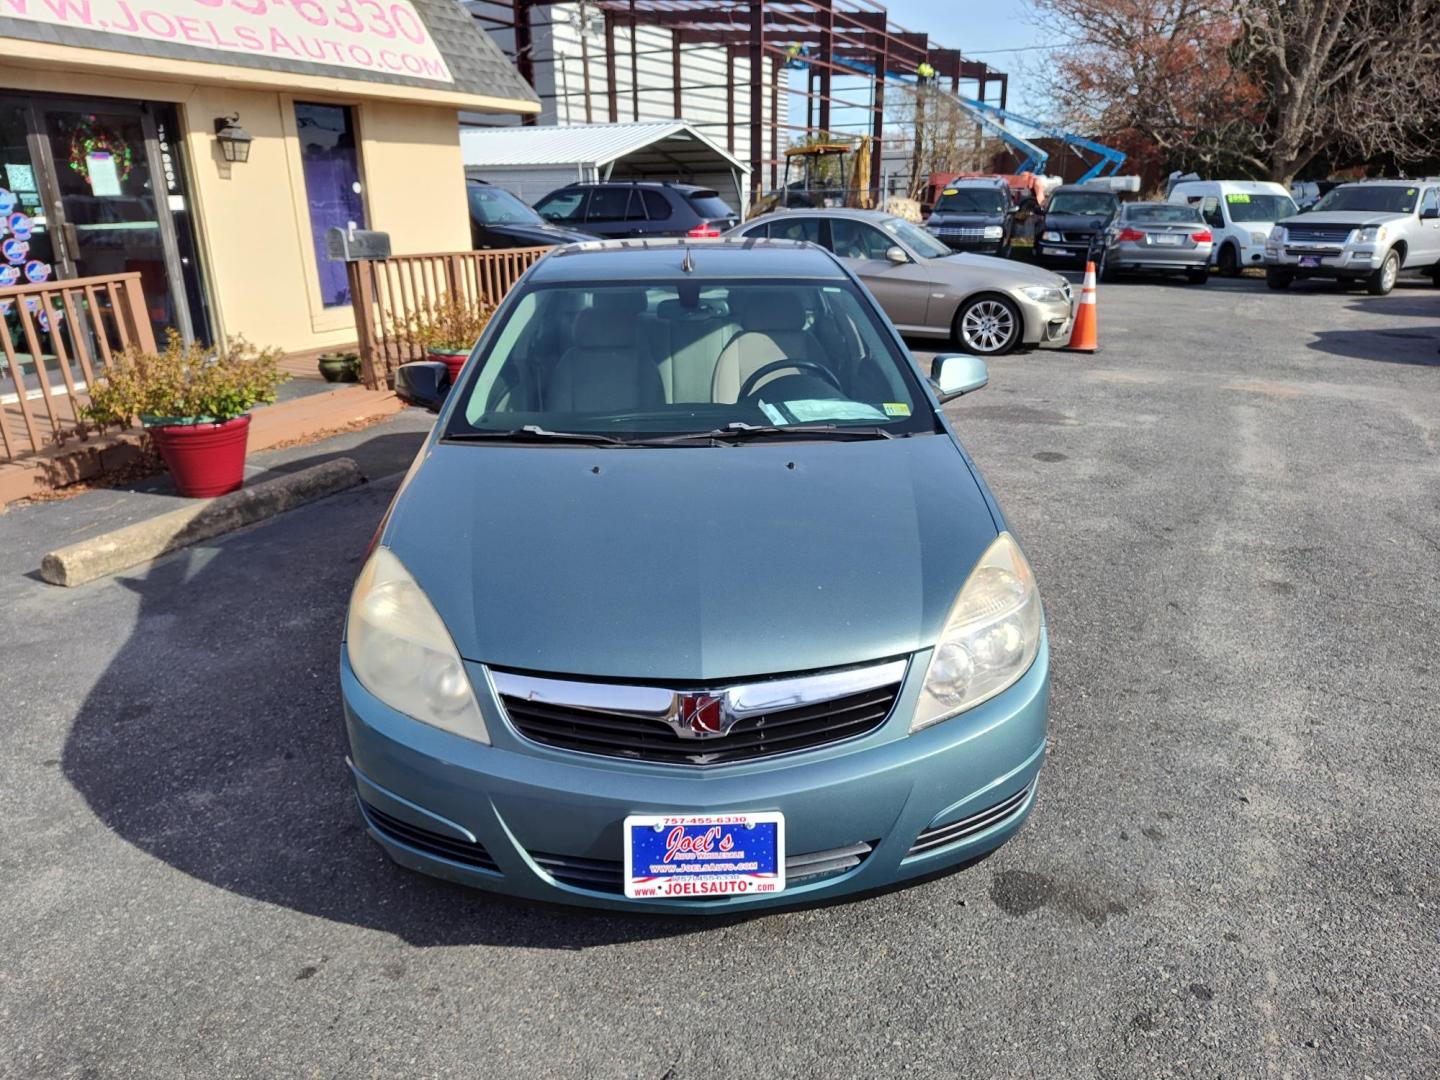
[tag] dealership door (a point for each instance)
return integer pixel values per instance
(108, 196)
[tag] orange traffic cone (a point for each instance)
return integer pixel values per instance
(1084, 335)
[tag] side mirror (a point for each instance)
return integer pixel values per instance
(1430, 213)
(896, 254)
(953, 374)
(424, 383)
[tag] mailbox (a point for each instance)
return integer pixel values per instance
(349, 244)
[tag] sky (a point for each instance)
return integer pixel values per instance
(1002, 33)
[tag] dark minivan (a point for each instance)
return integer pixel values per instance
(616, 210)
(1076, 218)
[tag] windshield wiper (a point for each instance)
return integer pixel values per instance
(535, 433)
(738, 431)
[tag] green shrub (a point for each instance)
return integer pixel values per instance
(185, 383)
(451, 325)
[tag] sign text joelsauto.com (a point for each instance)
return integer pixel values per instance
(371, 35)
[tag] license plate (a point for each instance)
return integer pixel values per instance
(1167, 238)
(700, 855)
(1309, 260)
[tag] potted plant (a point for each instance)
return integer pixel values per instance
(447, 330)
(193, 402)
(340, 366)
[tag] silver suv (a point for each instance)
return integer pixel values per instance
(1367, 231)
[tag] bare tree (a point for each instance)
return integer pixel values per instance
(1354, 79)
(1161, 75)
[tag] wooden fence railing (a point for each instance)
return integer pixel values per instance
(56, 338)
(388, 294)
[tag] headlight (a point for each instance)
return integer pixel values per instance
(1044, 294)
(1053, 237)
(1372, 234)
(990, 637)
(994, 232)
(401, 652)
(1277, 234)
(1257, 237)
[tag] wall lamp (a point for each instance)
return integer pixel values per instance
(233, 139)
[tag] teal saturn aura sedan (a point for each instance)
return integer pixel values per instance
(692, 600)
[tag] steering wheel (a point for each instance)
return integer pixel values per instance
(748, 386)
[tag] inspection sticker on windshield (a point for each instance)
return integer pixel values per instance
(702, 855)
(896, 408)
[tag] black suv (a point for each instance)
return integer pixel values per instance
(616, 210)
(974, 215)
(1073, 230)
(500, 220)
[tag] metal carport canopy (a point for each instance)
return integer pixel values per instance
(652, 150)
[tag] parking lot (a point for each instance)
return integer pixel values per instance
(1233, 511)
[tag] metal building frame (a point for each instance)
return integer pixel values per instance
(851, 39)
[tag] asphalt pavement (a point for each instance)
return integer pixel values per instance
(1233, 869)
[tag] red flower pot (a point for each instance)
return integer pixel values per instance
(452, 359)
(205, 459)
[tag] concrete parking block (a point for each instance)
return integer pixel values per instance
(146, 540)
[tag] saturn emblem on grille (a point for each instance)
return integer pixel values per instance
(702, 715)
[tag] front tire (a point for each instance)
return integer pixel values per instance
(1381, 281)
(988, 326)
(1229, 261)
(1197, 277)
(1279, 279)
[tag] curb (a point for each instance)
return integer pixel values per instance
(147, 540)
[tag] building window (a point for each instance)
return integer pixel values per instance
(331, 160)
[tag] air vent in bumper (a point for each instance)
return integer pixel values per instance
(955, 831)
(608, 875)
(431, 843)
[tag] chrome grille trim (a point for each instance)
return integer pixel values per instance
(743, 721)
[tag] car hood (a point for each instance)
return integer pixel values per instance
(1354, 218)
(541, 234)
(687, 563)
(966, 269)
(1074, 222)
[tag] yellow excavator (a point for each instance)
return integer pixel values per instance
(819, 174)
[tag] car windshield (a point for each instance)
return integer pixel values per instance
(1084, 203)
(496, 206)
(918, 240)
(986, 200)
(1167, 213)
(1378, 198)
(690, 362)
(1245, 206)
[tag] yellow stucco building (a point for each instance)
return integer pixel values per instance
(117, 118)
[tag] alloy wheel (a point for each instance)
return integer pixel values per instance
(988, 327)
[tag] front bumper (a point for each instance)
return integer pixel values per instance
(1046, 325)
(1325, 260)
(1066, 252)
(547, 823)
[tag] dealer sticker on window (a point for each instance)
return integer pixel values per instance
(703, 855)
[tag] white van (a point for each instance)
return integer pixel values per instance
(1240, 213)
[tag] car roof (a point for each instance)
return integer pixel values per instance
(1389, 181)
(659, 185)
(663, 259)
(1238, 185)
(1084, 187)
(824, 211)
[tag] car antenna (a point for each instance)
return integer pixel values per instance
(687, 264)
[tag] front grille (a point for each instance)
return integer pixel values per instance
(608, 875)
(941, 835)
(594, 718)
(1318, 234)
(956, 232)
(1077, 237)
(431, 843)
